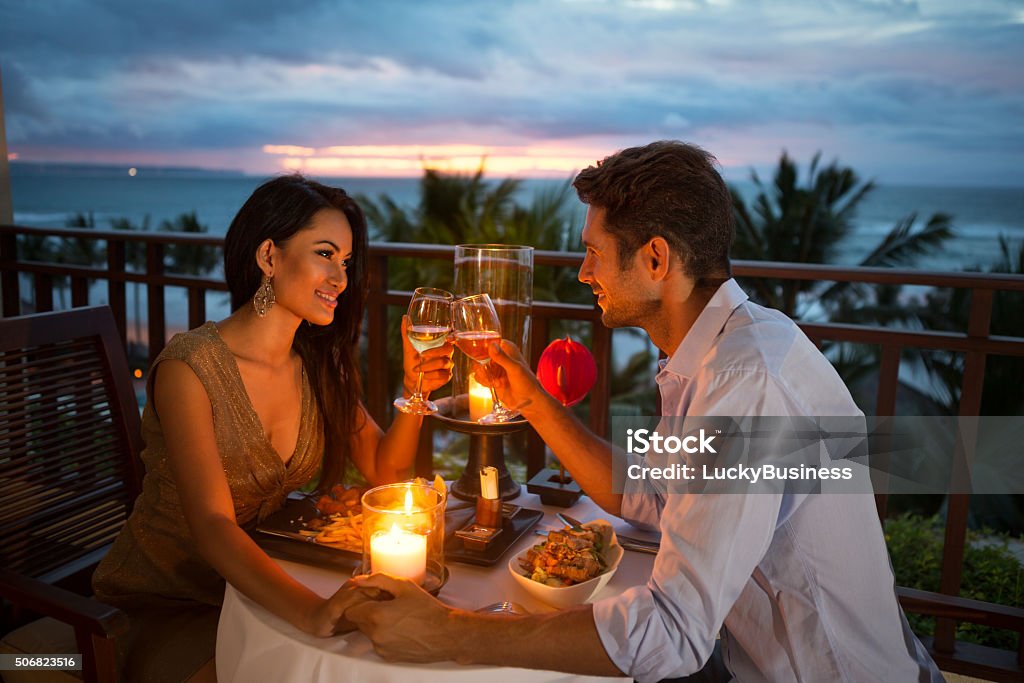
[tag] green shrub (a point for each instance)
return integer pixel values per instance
(990, 573)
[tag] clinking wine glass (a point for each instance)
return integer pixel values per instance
(429, 324)
(476, 326)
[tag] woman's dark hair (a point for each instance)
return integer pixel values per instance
(277, 210)
(669, 189)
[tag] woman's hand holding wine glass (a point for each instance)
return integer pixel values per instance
(427, 327)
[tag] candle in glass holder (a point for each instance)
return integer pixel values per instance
(480, 401)
(403, 533)
(400, 553)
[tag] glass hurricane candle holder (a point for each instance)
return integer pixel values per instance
(505, 272)
(403, 533)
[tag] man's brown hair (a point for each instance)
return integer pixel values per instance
(669, 189)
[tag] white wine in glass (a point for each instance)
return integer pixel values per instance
(476, 327)
(429, 324)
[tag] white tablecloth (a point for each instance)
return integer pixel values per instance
(254, 645)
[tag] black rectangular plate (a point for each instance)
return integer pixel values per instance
(290, 518)
(511, 531)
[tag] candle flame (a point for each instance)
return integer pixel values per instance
(408, 500)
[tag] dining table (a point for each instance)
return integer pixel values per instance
(253, 644)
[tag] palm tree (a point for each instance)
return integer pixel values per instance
(43, 249)
(807, 222)
(190, 259)
(950, 310)
(79, 251)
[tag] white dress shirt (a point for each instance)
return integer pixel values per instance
(799, 587)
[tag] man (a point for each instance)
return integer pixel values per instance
(798, 586)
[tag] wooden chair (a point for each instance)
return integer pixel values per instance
(69, 474)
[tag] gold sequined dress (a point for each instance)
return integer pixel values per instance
(154, 571)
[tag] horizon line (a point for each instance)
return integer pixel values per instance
(16, 161)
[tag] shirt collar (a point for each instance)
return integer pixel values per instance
(698, 340)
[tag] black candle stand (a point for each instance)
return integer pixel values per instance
(486, 448)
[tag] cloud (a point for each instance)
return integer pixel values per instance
(160, 76)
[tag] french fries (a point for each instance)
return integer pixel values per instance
(340, 521)
(343, 531)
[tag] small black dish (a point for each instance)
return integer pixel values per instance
(517, 521)
(553, 490)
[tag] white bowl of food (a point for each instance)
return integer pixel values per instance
(571, 566)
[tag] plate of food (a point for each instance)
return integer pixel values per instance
(571, 566)
(333, 521)
(325, 530)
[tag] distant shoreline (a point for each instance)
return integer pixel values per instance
(24, 168)
(41, 168)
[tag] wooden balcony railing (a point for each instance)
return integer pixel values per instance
(976, 342)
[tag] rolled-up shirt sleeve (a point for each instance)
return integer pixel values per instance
(710, 546)
(667, 628)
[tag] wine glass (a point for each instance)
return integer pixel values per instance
(476, 326)
(429, 324)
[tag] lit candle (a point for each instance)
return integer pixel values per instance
(480, 402)
(399, 553)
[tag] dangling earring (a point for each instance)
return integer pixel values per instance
(264, 298)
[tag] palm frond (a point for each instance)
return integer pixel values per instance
(903, 244)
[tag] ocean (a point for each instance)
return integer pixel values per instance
(48, 195)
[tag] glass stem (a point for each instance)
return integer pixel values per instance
(417, 396)
(498, 407)
(497, 402)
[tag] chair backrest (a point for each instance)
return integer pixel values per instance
(69, 441)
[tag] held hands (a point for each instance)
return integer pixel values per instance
(328, 619)
(436, 364)
(411, 627)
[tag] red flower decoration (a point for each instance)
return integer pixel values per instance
(567, 371)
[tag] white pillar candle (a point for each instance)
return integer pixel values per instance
(399, 553)
(489, 482)
(480, 402)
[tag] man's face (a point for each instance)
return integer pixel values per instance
(622, 294)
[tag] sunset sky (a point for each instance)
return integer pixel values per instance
(927, 92)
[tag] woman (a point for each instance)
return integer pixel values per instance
(242, 412)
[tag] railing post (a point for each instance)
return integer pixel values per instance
(885, 406)
(155, 299)
(79, 291)
(536, 451)
(115, 288)
(196, 307)
(424, 466)
(9, 281)
(959, 503)
(43, 293)
(602, 392)
(377, 388)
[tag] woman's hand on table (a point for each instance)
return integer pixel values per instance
(436, 364)
(328, 619)
(411, 627)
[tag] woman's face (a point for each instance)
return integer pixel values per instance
(309, 270)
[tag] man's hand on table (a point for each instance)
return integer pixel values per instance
(411, 627)
(415, 627)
